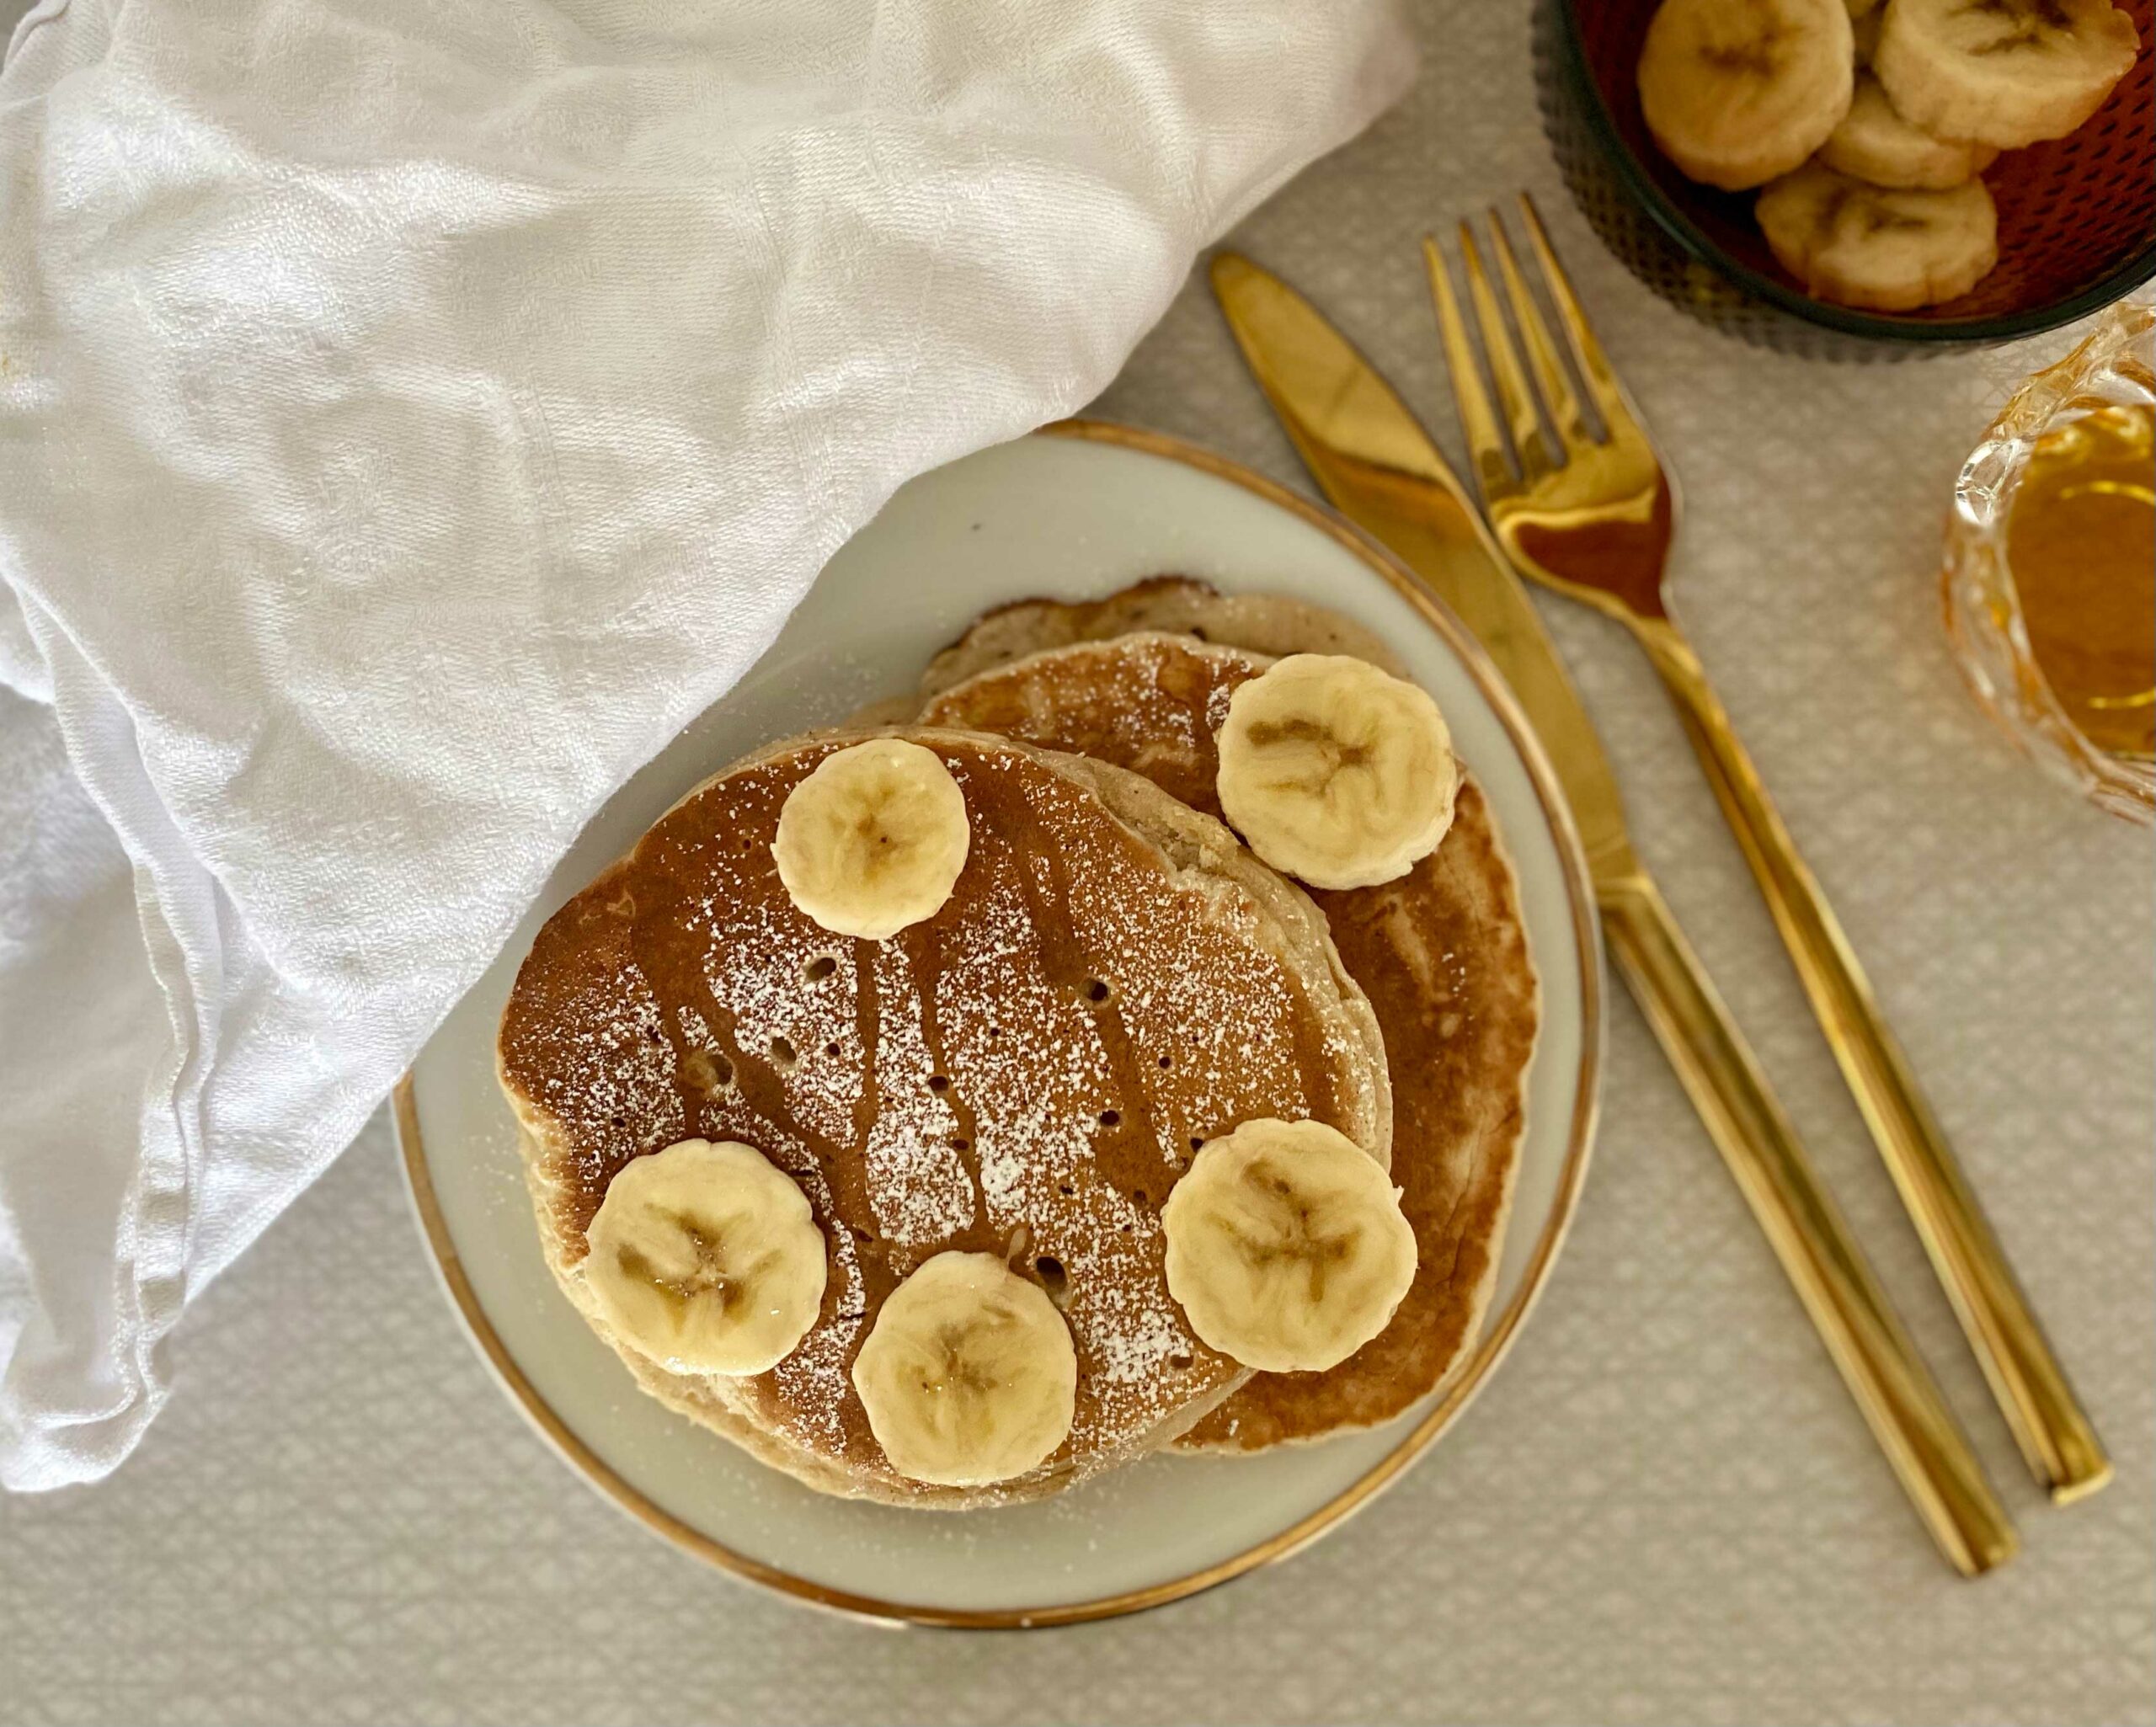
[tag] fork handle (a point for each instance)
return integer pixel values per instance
(1889, 1381)
(2053, 1431)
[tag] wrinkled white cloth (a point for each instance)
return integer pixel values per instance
(413, 412)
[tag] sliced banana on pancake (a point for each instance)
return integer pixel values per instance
(706, 1258)
(969, 1376)
(1286, 1246)
(2003, 72)
(1335, 773)
(1869, 246)
(1874, 143)
(873, 839)
(1736, 94)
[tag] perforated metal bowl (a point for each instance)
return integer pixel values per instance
(2077, 215)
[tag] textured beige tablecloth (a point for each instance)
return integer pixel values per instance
(1664, 1510)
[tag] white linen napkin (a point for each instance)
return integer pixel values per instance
(412, 413)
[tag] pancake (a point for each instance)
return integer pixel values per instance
(1442, 953)
(1264, 623)
(1112, 980)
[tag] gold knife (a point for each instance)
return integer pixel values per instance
(1373, 460)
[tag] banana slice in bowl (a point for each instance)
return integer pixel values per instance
(705, 1258)
(1286, 1246)
(969, 1376)
(875, 839)
(2002, 72)
(1334, 772)
(1736, 94)
(1874, 247)
(1874, 142)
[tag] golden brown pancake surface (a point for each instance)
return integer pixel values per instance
(1023, 1074)
(1181, 606)
(1441, 953)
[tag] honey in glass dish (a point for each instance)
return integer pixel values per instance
(2051, 566)
(2081, 545)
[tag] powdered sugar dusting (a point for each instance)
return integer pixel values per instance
(1025, 1054)
(1216, 706)
(812, 1381)
(917, 1178)
(618, 1090)
(1131, 1325)
(805, 1031)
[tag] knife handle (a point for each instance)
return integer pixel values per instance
(2054, 1433)
(1889, 1381)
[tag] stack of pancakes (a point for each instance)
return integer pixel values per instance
(1113, 982)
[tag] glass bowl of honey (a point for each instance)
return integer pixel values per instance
(2051, 566)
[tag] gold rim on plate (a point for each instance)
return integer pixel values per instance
(1497, 1338)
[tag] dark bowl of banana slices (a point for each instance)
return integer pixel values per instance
(1862, 176)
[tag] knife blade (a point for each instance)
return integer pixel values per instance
(1378, 467)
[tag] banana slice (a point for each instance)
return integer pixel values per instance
(969, 1376)
(1890, 251)
(1286, 1246)
(1334, 772)
(2003, 72)
(1874, 143)
(874, 839)
(706, 1258)
(1736, 93)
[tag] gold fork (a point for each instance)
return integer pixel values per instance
(1595, 522)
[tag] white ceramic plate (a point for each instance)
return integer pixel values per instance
(1076, 512)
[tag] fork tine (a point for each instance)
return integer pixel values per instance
(1594, 365)
(1505, 378)
(1486, 440)
(1562, 406)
